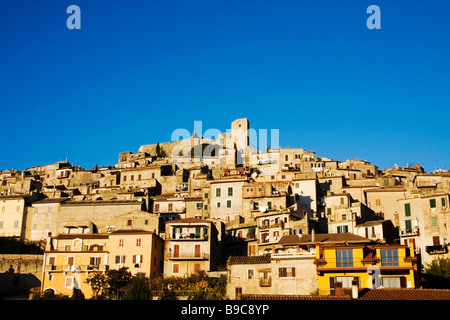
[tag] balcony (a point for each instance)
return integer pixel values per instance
(410, 232)
(439, 249)
(76, 268)
(265, 282)
(188, 256)
(188, 236)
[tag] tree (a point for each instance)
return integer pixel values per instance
(160, 153)
(437, 274)
(97, 282)
(77, 294)
(117, 280)
(140, 290)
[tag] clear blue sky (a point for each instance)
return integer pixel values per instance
(137, 70)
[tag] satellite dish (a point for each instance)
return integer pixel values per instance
(263, 208)
(254, 175)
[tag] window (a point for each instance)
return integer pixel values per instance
(124, 178)
(52, 261)
(434, 221)
(138, 242)
(342, 200)
(70, 261)
(120, 242)
(132, 177)
(329, 211)
(176, 268)
(391, 282)
(230, 191)
(139, 177)
(199, 205)
(407, 209)
(205, 207)
(218, 192)
(170, 206)
(228, 203)
(346, 281)
(255, 205)
(206, 195)
(218, 204)
(342, 229)
(94, 261)
(269, 205)
(146, 222)
(286, 272)
(272, 177)
(250, 274)
(432, 203)
(408, 226)
(344, 258)
(120, 259)
(344, 216)
(69, 282)
(129, 222)
(157, 207)
(443, 202)
(378, 202)
(389, 257)
(138, 259)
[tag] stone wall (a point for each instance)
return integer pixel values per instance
(19, 273)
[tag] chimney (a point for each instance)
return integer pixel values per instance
(354, 289)
(338, 291)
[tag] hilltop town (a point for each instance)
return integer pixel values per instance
(274, 223)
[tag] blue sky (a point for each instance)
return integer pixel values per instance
(137, 70)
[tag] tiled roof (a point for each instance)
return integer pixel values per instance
(323, 238)
(289, 297)
(248, 259)
(406, 294)
(188, 220)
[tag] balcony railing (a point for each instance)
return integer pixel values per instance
(265, 282)
(76, 268)
(188, 236)
(188, 256)
(439, 249)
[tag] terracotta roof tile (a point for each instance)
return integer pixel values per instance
(289, 297)
(248, 259)
(406, 294)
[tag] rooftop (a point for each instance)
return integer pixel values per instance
(406, 294)
(249, 259)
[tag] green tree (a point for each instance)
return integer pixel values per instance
(77, 294)
(140, 290)
(116, 281)
(97, 282)
(437, 274)
(160, 153)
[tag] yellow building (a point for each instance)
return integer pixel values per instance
(370, 265)
(70, 259)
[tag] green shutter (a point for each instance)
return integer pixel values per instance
(432, 203)
(408, 225)
(407, 209)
